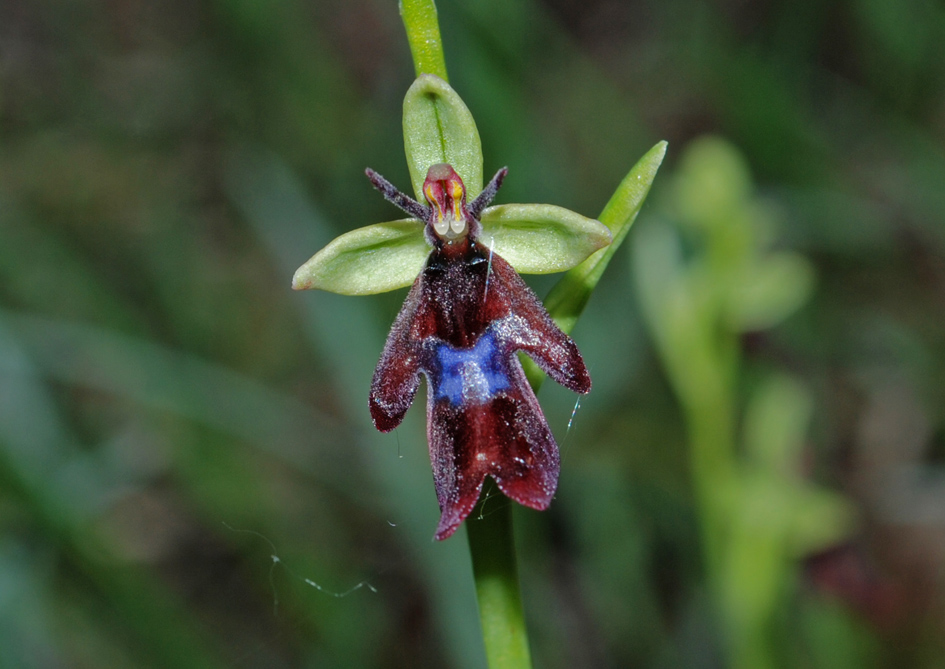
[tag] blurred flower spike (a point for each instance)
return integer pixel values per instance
(439, 129)
(468, 313)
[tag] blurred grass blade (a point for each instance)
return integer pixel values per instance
(31, 430)
(215, 396)
(438, 128)
(171, 633)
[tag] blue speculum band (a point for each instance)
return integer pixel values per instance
(469, 375)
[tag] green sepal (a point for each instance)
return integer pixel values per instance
(438, 128)
(541, 238)
(373, 259)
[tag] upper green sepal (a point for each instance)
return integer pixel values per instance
(541, 238)
(373, 259)
(439, 128)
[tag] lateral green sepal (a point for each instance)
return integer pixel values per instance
(373, 259)
(541, 238)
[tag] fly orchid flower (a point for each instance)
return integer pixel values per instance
(468, 312)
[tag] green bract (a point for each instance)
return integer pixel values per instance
(569, 296)
(438, 128)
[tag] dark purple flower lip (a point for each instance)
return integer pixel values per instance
(465, 318)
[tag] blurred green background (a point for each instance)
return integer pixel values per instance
(188, 471)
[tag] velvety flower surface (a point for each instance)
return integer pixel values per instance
(466, 316)
(468, 312)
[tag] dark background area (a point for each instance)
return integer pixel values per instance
(188, 471)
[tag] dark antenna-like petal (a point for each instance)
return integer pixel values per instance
(487, 195)
(397, 197)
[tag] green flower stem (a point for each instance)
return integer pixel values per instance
(491, 544)
(423, 34)
(492, 547)
(439, 128)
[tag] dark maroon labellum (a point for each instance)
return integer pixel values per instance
(466, 316)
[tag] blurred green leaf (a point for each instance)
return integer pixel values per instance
(169, 380)
(712, 184)
(776, 421)
(157, 617)
(770, 291)
(837, 637)
(821, 519)
(678, 308)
